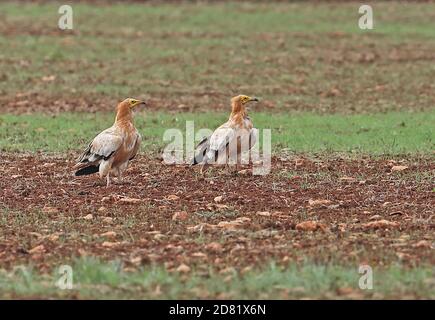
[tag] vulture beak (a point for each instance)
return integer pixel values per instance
(140, 102)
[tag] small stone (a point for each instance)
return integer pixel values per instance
(108, 220)
(108, 244)
(348, 179)
(310, 226)
(50, 210)
(422, 244)
(182, 268)
(109, 234)
(172, 197)
(180, 215)
(381, 224)
(314, 203)
(37, 249)
(398, 168)
(218, 199)
(214, 247)
(375, 217)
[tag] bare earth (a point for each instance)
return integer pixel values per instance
(355, 211)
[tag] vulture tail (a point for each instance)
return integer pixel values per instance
(87, 170)
(201, 151)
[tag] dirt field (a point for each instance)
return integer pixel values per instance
(193, 57)
(362, 210)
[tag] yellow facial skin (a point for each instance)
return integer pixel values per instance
(246, 99)
(135, 102)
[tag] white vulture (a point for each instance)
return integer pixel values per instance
(231, 139)
(111, 150)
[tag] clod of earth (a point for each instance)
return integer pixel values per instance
(381, 224)
(311, 226)
(183, 268)
(398, 168)
(180, 215)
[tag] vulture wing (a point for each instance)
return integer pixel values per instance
(101, 148)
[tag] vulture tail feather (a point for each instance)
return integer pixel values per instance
(202, 150)
(87, 170)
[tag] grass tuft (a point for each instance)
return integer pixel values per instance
(93, 278)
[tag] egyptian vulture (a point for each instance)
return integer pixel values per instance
(111, 150)
(231, 139)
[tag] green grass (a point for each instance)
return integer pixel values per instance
(95, 279)
(289, 54)
(392, 133)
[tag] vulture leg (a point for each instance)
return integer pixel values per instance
(119, 175)
(204, 167)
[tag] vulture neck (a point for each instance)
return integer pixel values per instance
(238, 111)
(123, 114)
